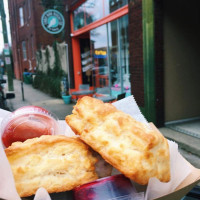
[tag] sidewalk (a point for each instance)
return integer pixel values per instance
(38, 98)
(189, 146)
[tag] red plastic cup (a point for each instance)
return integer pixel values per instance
(28, 122)
(116, 187)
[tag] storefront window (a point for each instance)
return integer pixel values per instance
(87, 13)
(99, 45)
(110, 65)
(119, 56)
(114, 58)
(112, 5)
(93, 10)
(79, 17)
(124, 55)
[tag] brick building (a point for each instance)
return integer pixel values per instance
(147, 48)
(27, 33)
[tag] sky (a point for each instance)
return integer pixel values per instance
(8, 26)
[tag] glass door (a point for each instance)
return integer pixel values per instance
(110, 50)
(114, 58)
(124, 55)
(119, 56)
(99, 46)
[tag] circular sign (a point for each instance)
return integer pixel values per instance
(52, 21)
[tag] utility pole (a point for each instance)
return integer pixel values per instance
(6, 48)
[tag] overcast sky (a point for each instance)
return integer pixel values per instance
(8, 26)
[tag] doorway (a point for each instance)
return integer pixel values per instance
(181, 60)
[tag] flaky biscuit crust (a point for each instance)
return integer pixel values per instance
(57, 163)
(134, 149)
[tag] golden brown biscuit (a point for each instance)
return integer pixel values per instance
(130, 146)
(57, 163)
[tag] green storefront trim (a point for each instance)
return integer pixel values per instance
(149, 109)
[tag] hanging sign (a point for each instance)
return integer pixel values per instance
(6, 49)
(52, 21)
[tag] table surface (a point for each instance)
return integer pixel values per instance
(106, 98)
(82, 92)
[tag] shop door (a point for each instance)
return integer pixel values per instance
(86, 61)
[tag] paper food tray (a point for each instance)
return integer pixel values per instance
(183, 184)
(186, 185)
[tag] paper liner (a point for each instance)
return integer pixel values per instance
(129, 106)
(42, 194)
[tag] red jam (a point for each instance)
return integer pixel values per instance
(112, 187)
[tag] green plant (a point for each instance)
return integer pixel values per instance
(57, 71)
(53, 81)
(48, 61)
(48, 84)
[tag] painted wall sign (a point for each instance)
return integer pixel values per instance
(52, 21)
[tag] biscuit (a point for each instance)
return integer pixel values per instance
(136, 150)
(57, 163)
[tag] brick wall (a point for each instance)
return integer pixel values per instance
(136, 50)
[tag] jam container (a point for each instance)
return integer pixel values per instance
(116, 187)
(28, 122)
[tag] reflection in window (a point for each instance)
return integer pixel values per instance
(21, 16)
(24, 50)
(112, 5)
(114, 53)
(110, 49)
(119, 56)
(87, 13)
(124, 44)
(79, 17)
(93, 10)
(98, 39)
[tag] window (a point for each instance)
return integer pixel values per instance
(110, 51)
(93, 10)
(21, 16)
(112, 5)
(24, 50)
(87, 13)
